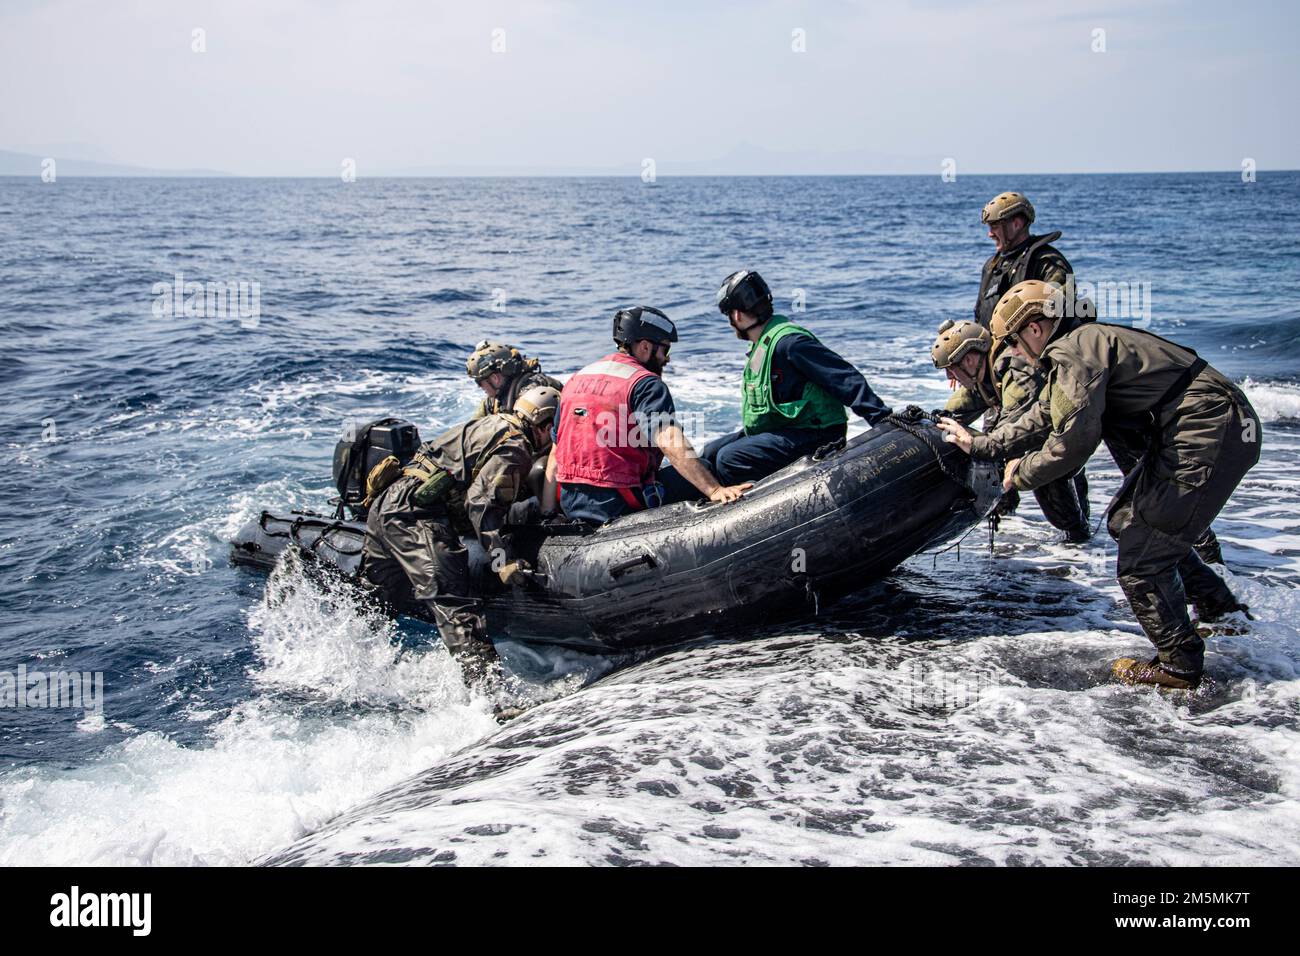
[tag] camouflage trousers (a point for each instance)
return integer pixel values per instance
(417, 559)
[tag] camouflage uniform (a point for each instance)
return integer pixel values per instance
(413, 550)
(1197, 436)
(1064, 502)
(531, 375)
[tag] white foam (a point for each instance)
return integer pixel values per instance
(822, 753)
(1273, 401)
(318, 642)
(342, 714)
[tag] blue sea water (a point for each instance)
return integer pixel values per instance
(241, 715)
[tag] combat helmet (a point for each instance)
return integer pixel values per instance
(489, 357)
(1025, 302)
(1006, 205)
(538, 405)
(958, 338)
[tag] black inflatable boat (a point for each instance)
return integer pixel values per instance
(824, 527)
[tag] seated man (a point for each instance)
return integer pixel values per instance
(794, 389)
(615, 426)
(462, 482)
(504, 373)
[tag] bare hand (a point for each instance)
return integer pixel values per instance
(955, 433)
(726, 493)
(1007, 475)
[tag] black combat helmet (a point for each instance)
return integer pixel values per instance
(642, 322)
(746, 291)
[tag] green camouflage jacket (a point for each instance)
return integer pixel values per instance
(1102, 379)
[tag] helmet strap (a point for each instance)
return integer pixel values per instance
(1036, 357)
(984, 381)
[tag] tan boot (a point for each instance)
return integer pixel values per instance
(1128, 670)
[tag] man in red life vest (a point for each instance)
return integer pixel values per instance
(616, 425)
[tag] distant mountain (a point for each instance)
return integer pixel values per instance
(29, 164)
(743, 160)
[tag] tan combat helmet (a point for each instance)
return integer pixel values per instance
(1005, 206)
(538, 405)
(956, 339)
(489, 357)
(1025, 302)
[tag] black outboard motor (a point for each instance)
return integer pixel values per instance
(362, 447)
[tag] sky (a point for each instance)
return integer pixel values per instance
(293, 87)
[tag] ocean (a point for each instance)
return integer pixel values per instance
(955, 713)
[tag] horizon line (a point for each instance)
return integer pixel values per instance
(221, 175)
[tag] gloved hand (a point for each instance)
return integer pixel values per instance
(516, 572)
(524, 512)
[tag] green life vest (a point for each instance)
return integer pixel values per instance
(759, 412)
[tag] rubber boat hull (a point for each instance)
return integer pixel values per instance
(820, 529)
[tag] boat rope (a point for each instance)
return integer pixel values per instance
(296, 526)
(911, 420)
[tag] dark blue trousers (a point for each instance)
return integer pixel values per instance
(739, 457)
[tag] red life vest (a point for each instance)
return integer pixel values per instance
(599, 441)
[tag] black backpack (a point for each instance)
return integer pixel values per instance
(360, 450)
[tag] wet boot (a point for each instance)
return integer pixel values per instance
(1210, 613)
(1159, 604)
(463, 629)
(1129, 670)
(1078, 534)
(1208, 593)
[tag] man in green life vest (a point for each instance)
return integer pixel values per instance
(794, 390)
